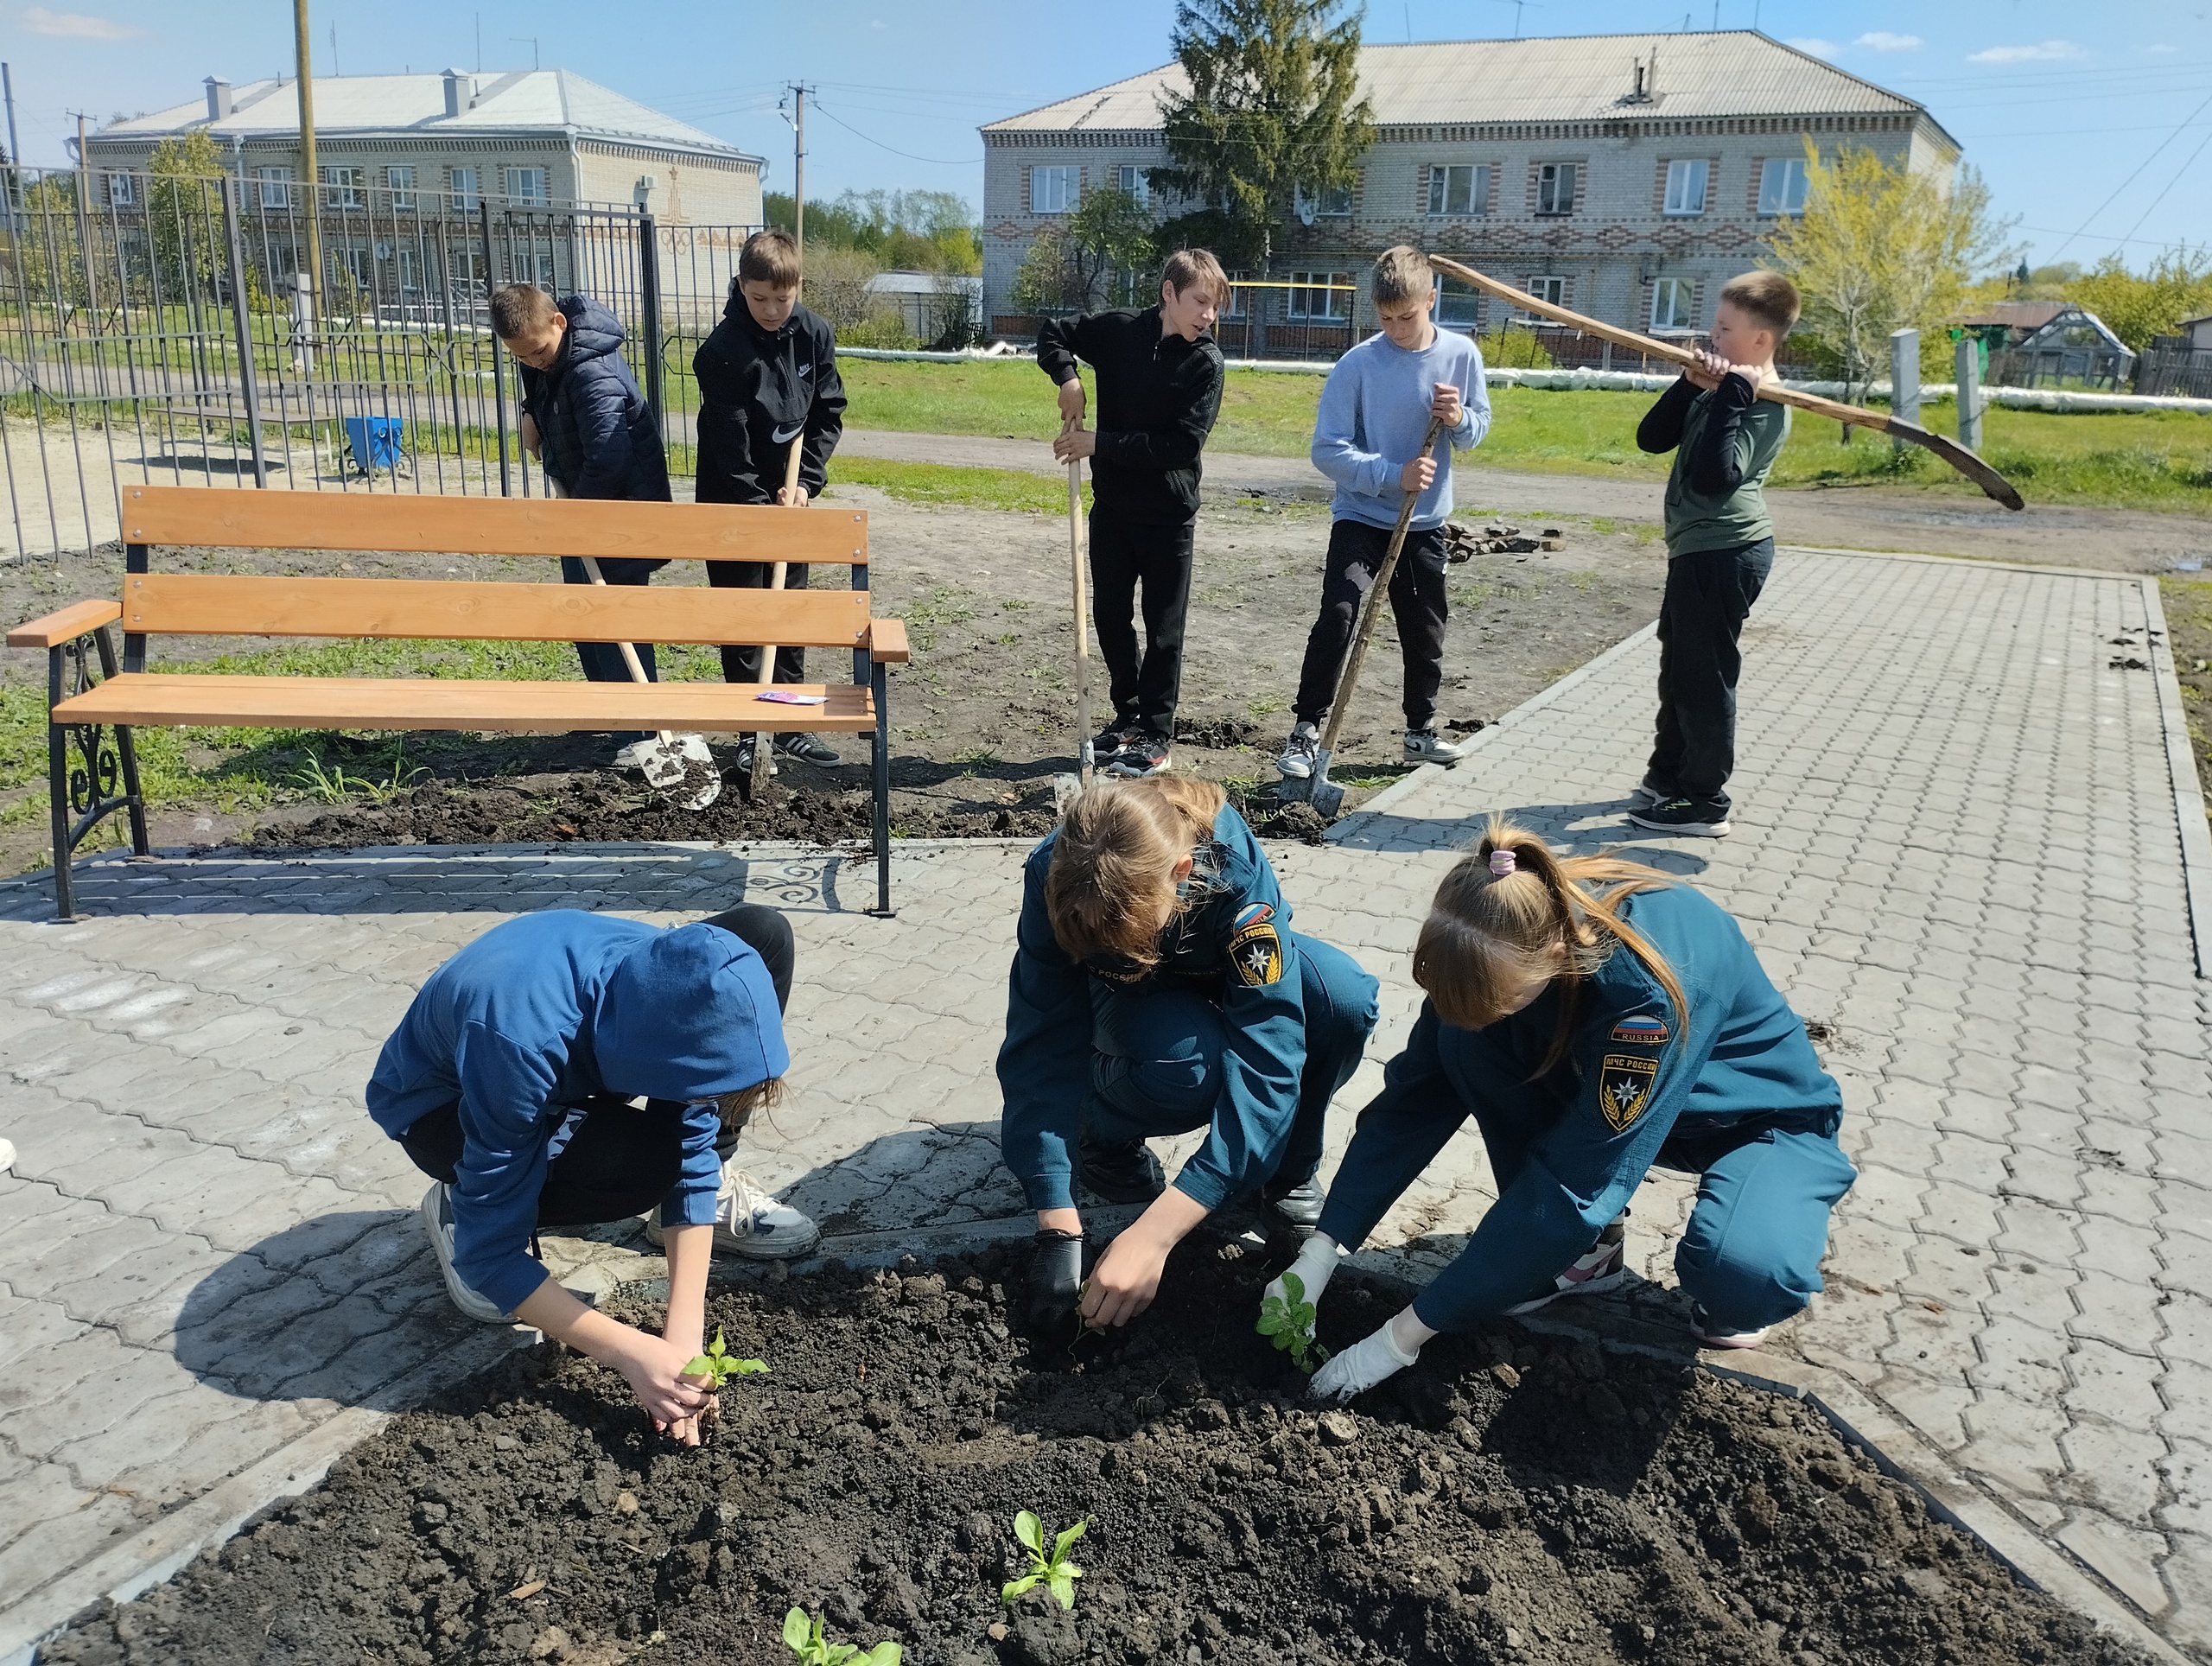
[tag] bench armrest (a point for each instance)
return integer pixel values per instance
(887, 641)
(71, 623)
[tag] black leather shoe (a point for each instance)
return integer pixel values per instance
(1300, 1204)
(1127, 1173)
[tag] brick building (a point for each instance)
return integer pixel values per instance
(1624, 175)
(404, 143)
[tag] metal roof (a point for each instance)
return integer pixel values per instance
(1555, 79)
(547, 101)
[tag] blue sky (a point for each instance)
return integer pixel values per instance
(2093, 126)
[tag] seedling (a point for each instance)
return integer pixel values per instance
(718, 1364)
(1054, 1571)
(803, 1637)
(1288, 1319)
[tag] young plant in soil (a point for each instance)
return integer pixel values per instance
(803, 1637)
(1287, 1320)
(718, 1364)
(1054, 1570)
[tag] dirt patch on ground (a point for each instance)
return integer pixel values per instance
(2188, 604)
(984, 717)
(1514, 1499)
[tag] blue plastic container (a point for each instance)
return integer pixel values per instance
(375, 441)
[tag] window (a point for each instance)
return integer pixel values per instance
(273, 186)
(401, 183)
(1135, 182)
(341, 187)
(122, 190)
(542, 270)
(525, 184)
(1320, 295)
(466, 183)
(1553, 290)
(1782, 185)
(355, 265)
(1671, 306)
(1458, 307)
(1686, 187)
(1332, 204)
(1459, 189)
(410, 272)
(1054, 190)
(1556, 187)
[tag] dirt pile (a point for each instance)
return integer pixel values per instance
(1514, 1499)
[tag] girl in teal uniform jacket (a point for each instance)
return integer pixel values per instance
(1595, 1018)
(1158, 988)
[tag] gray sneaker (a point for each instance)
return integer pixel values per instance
(1426, 746)
(749, 1222)
(1299, 753)
(437, 1221)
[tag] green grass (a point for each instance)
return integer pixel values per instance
(970, 488)
(2151, 460)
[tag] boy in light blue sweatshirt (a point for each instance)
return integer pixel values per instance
(1375, 407)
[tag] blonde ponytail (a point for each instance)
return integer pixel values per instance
(1114, 864)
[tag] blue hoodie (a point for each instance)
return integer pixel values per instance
(601, 440)
(542, 1014)
(1045, 1065)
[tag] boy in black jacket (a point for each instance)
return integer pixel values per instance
(768, 381)
(1160, 377)
(584, 419)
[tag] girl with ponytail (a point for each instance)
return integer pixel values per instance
(1596, 1017)
(1158, 988)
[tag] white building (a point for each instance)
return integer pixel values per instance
(1624, 175)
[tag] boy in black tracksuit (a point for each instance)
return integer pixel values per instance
(1159, 379)
(768, 381)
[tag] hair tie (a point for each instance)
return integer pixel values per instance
(1502, 863)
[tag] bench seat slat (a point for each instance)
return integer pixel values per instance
(166, 700)
(462, 610)
(205, 517)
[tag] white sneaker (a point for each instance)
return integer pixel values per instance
(1701, 1322)
(437, 1221)
(1604, 1268)
(1427, 747)
(1299, 752)
(749, 1222)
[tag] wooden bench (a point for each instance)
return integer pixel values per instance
(90, 693)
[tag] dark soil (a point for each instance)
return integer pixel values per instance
(1514, 1498)
(2187, 603)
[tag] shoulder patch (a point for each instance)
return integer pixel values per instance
(1258, 914)
(1255, 953)
(1641, 1030)
(1624, 1087)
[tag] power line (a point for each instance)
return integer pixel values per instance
(2169, 186)
(2130, 180)
(941, 162)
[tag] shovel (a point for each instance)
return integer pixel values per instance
(1323, 794)
(764, 751)
(664, 767)
(1064, 787)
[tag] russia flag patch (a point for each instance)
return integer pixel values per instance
(1642, 1030)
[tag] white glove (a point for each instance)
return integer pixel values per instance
(1315, 1266)
(1363, 1364)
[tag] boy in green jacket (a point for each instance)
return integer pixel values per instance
(1719, 550)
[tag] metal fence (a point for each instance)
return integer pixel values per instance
(155, 329)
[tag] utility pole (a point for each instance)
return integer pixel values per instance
(798, 119)
(312, 278)
(15, 149)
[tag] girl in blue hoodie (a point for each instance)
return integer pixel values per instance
(1595, 1018)
(511, 1081)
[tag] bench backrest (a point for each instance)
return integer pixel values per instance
(178, 604)
(201, 517)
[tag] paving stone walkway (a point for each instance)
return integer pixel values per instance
(1960, 848)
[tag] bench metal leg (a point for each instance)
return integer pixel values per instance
(82, 790)
(880, 687)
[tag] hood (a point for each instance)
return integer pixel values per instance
(688, 1014)
(738, 312)
(592, 333)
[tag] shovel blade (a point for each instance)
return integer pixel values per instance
(1064, 787)
(1323, 794)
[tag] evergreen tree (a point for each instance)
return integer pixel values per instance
(1273, 109)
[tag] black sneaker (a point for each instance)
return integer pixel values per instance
(1300, 1205)
(1144, 755)
(1646, 792)
(1695, 817)
(1120, 1174)
(807, 748)
(1113, 741)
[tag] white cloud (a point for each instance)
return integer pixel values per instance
(74, 25)
(1814, 45)
(2046, 52)
(1882, 40)
(2162, 50)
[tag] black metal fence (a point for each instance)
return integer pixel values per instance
(160, 328)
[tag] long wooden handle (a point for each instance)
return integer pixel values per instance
(767, 671)
(629, 651)
(1085, 762)
(1994, 484)
(1356, 656)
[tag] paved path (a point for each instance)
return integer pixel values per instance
(1960, 845)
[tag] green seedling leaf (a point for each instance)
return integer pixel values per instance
(718, 1364)
(1054, 1571)
(795, 1630)
(1287, 1320)
(803, 1635)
